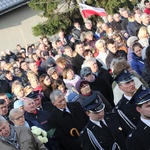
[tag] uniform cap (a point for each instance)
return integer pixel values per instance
(33, 94)
(141, 96)
(124, 76)
(93, 103)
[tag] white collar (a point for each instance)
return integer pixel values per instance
(98, 122)
(67, 110)
(146, 121)
(127, 97)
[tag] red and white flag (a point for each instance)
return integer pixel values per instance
(88, 11)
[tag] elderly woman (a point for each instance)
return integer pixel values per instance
(17, 117)
(17, 138)
(85, 91)
(102, 52)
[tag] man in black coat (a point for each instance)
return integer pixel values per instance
(116, 24)
(139, 138)
(103, 131)
(99, 83)
(76, 31)
(126, 84)
(133, 27)
(125, 19)
(68, 119)
(114, 53)
(104, 79)
(78, 60)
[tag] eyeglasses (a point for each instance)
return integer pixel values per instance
(20, 117)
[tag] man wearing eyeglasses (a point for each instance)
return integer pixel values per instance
(103, 131)
(17, 138)
(126, 84)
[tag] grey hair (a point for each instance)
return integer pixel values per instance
(87, 62)
(27, 99)
(88, 22)
(13, 112)
(55, 94)
(88, 33)
(2, 120)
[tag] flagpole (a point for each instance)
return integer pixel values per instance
(79, 1)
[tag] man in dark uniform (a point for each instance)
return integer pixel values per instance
(139, 138)
(38, 118)
(103, 131)
(126, 83)
(68, 119)
(40, 101)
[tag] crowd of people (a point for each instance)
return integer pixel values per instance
(90, 89)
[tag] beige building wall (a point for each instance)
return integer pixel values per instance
(16, 27)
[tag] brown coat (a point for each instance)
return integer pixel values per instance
(27, 141)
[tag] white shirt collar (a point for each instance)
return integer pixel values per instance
(67, 110)
(146, 121)
(127, 97)
(98, 122)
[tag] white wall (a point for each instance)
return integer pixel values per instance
(15, 27)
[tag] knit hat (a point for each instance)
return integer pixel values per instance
(79, 84)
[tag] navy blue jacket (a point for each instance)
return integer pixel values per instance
(137, 64)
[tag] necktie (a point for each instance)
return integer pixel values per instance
(103, 125)
(65, 111)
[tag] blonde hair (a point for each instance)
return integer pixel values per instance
(8, 66)
(14, 84)
(99, 24)
(143, 33)
(99, 42)
(17, 88)
(28, 89)
(31, 75)
(88, 33)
